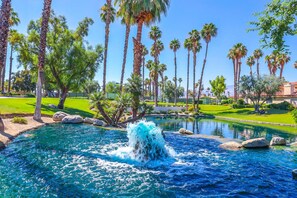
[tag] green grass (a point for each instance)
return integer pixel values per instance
(27, 106)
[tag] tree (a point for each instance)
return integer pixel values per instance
(41, 57)
(282, 59)
(23, 81)
(5, 12)
(90, 87)
(218, 86)
(259, 90)
(250, 62)
(162, 68)
(257, 55)
(169, 91)
(113, 87)
(180, 80)
(107, 15)
(277, 21)
(208, 32)
(189, 46)
(144, 53)
(175, 45)
(125, 12)
(272, 62)
(70, 60)
(195, 38)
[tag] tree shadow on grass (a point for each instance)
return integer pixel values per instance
(72, 111)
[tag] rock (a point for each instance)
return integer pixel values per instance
(185, 131)
(233, 146)
(72, 119)
(129, 117)
(52, 106)
(294, 174)
(89, 120)
(293, 144)
(1, 125)
(99, 122)
(255, 143)
(278, 141)
(58, 116)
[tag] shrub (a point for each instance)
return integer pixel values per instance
(240, 101)
(19, 120)
(294, 114)
(282, 106)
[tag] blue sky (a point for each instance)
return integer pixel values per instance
(230, 16)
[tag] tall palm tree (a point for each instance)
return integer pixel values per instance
(180, 80)
(5, 12)
(257, 55)
(195, 38)
(144, 53)
(282, 60)
(13, 39)
(156, 49)
(272, 62)
(107, 15)
(189, 46)
(231, 55)
(162, 69)
(250, 62)
(208, 32)
(175, 45)
(41, 57)
(125, 12)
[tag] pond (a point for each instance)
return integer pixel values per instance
(221, 128)
(78, 161)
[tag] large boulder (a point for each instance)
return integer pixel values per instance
(89, 120)
(97, 122)
(72, 119)
(185, 131)
(278, 141)
(256, 143)
(58, 116)
(233, 146)
(294, 174)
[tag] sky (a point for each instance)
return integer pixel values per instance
(231, 17)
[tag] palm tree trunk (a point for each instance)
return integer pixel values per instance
(156, 89)
(41, 57)
(143, 65)
(106, 45)
(235, 78)
(258, 68)
(188, 74)
(251, 71)
(3, 78)
(194, 80)
(4, 31)
(10, 69)
(125, 55)
(175, 75)
(202, 73)
(281, 71)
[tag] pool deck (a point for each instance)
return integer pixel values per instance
(12, 130)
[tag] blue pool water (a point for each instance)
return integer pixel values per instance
(83, 161)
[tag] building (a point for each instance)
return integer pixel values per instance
(287, 93)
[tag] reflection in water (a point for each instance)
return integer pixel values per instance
(220, 128)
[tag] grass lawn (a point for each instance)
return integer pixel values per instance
(27, 106)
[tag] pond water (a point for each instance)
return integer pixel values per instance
(221, 128)
(78, 161)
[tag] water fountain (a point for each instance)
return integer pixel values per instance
(146, 141)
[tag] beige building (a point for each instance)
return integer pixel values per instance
(288, 93)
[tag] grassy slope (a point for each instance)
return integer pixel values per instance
(26, 105)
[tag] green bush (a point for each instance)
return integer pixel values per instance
(237, 106)
(19, 120)
(240, 101)
(294, 114)
(282, 106)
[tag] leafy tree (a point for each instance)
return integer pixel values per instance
(90, 87)
(107, 15)
(41, 56)
(113, 87)
(169, 91)
(276, 22)
(70, 62)
(218, 86)
(207, 33)
(175, 45)
(23, 81)
(259, 90)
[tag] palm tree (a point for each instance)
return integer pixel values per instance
(231, 55)
(189, 46)
(41, 57)
(250, 62)
(107, 15)
(208, 32)
(180, 80)
(5, 12)
(14, 39)
(162, 69)
(144, 53)
(175, 45)
(257, 55)
(282, 60)
(272, 62)
(295, 65)
(195, 38)
(125, 11)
